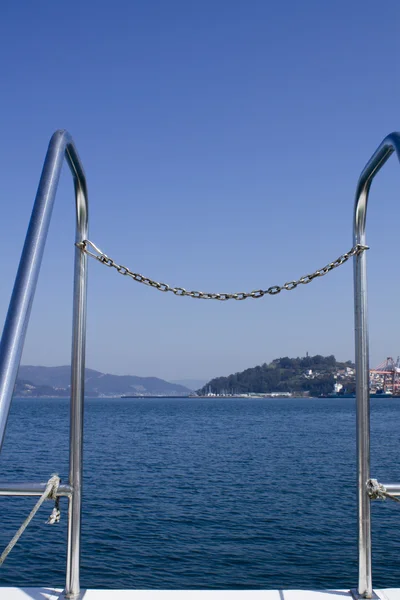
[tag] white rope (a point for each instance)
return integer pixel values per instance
(377, 491)
(49, 493)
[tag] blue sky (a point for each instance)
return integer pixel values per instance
(222, 142)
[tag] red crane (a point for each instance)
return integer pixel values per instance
(386, 376)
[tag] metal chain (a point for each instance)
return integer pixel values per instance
(178, 291)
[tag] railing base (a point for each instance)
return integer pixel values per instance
(357, 596)
(79, 596)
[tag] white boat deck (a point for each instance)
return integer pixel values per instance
(13, 593)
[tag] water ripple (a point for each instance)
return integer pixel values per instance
(209, 494)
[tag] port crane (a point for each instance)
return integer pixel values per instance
(386, 376)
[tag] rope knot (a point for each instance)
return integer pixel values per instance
(53, 484)
(376, 491)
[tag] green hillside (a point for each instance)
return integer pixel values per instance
(313, 374)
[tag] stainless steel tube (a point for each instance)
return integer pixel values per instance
(16, 323)
(389, 145)
(31, 489)
(61, 146)
(392, 488)
(72, 586)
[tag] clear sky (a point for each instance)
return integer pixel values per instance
(222, 141)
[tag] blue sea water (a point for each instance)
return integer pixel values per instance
(204, 493)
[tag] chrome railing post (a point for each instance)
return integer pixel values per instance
(61, 146)
(389, 145)
(363, 426)
(72, 587)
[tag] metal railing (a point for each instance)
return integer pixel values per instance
(389, 145)
(61, 147)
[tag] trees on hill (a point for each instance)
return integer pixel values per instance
(282, 375)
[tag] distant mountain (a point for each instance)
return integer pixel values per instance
(26, 388)
(192, 384)
(55, 381)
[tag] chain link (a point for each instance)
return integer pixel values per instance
(96, 253)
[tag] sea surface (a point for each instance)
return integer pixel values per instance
(204, 493)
